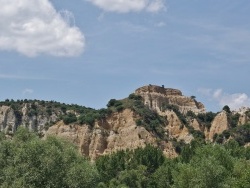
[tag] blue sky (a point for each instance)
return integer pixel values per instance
(89, 51)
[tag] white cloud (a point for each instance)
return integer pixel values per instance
(28, 91)
(33, 27)
(155, 6)
(124, 6)
(234, 101)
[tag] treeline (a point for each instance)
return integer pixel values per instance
(27, 161)
(199, 165)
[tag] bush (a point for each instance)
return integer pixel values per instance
(119, 108)
(206, 118)
(226, 109)
(69, 118)
(111, 102)
(176, 111)
(135, 97)
(190, 114)
(234, 119)
(88, 119)
(241, 134)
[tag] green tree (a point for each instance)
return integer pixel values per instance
(227, 109)
(150, 156)
(134, 178)
(163, 176)
(240, 176)
(69, 118)
(110, 165)
(209, 167)
(27, 161)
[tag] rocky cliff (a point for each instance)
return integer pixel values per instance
(117, 132)
(244, 115)
(219, 124)
(11, 118)
(152, 115)
(157, 98)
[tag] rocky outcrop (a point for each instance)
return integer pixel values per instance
(244, 115)
(117, 132)
(119, 129)
(175, 128)
(157, 97)
(219, 124)
(195, 124)
(8, 120)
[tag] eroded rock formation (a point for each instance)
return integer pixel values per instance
(117, 132)
(157, 97)
(219, 124)
(119, 129)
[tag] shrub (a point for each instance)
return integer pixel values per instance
(119, 108)
(69, 118)
(111, 102)
(227, 109)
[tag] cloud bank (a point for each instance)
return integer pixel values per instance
(234, 101)
(33, 27)
(124, 6)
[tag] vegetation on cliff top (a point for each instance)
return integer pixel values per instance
(69, 113)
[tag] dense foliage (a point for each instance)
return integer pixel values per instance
(199, 165)
(27, 161)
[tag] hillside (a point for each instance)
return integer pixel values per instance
(155, 115)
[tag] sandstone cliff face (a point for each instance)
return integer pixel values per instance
(175, 128)
(156, 97)
(219, 124)
(195, 124)
(7, 120)
(10, 120)
(244, 113)
(117, 132)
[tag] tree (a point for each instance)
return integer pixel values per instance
(150, 156)
(227, 109)
(133, 177)
(111, 102)
(209, 167)
(110, 165)
(27, 161)
(69, 118)
(163, 177)
(193, 97)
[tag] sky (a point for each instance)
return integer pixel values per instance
(87, 52)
